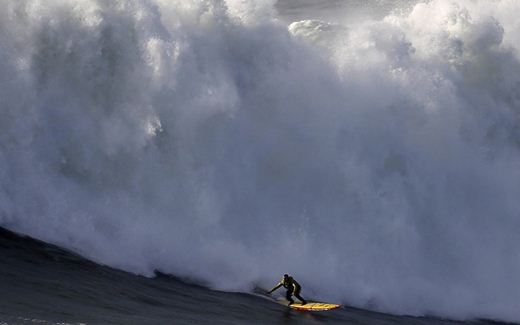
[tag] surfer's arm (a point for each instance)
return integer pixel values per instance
(276, 287)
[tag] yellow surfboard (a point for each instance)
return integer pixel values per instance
(310, 306)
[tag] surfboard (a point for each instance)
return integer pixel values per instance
(310, 306)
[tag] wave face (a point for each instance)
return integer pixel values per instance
(44, 284)
(378, 162)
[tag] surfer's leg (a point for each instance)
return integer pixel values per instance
(297, 295)
(288, 297)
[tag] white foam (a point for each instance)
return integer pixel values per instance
(379, 165)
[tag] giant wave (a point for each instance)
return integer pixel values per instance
(378, 162)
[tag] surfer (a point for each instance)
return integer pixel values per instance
(293, 288)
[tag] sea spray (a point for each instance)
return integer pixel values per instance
(377, 162)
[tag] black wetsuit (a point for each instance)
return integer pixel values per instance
(293, 288)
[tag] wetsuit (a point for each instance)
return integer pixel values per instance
(293, 288)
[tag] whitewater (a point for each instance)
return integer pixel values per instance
(374, 157)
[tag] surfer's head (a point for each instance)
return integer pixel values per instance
(285, 276)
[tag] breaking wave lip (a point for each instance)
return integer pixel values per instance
(377, 163)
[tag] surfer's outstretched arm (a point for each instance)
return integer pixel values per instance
(275, 288)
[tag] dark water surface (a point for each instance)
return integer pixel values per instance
(44, 284)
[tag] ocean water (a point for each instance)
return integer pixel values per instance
(369, 148)
(43, 284)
